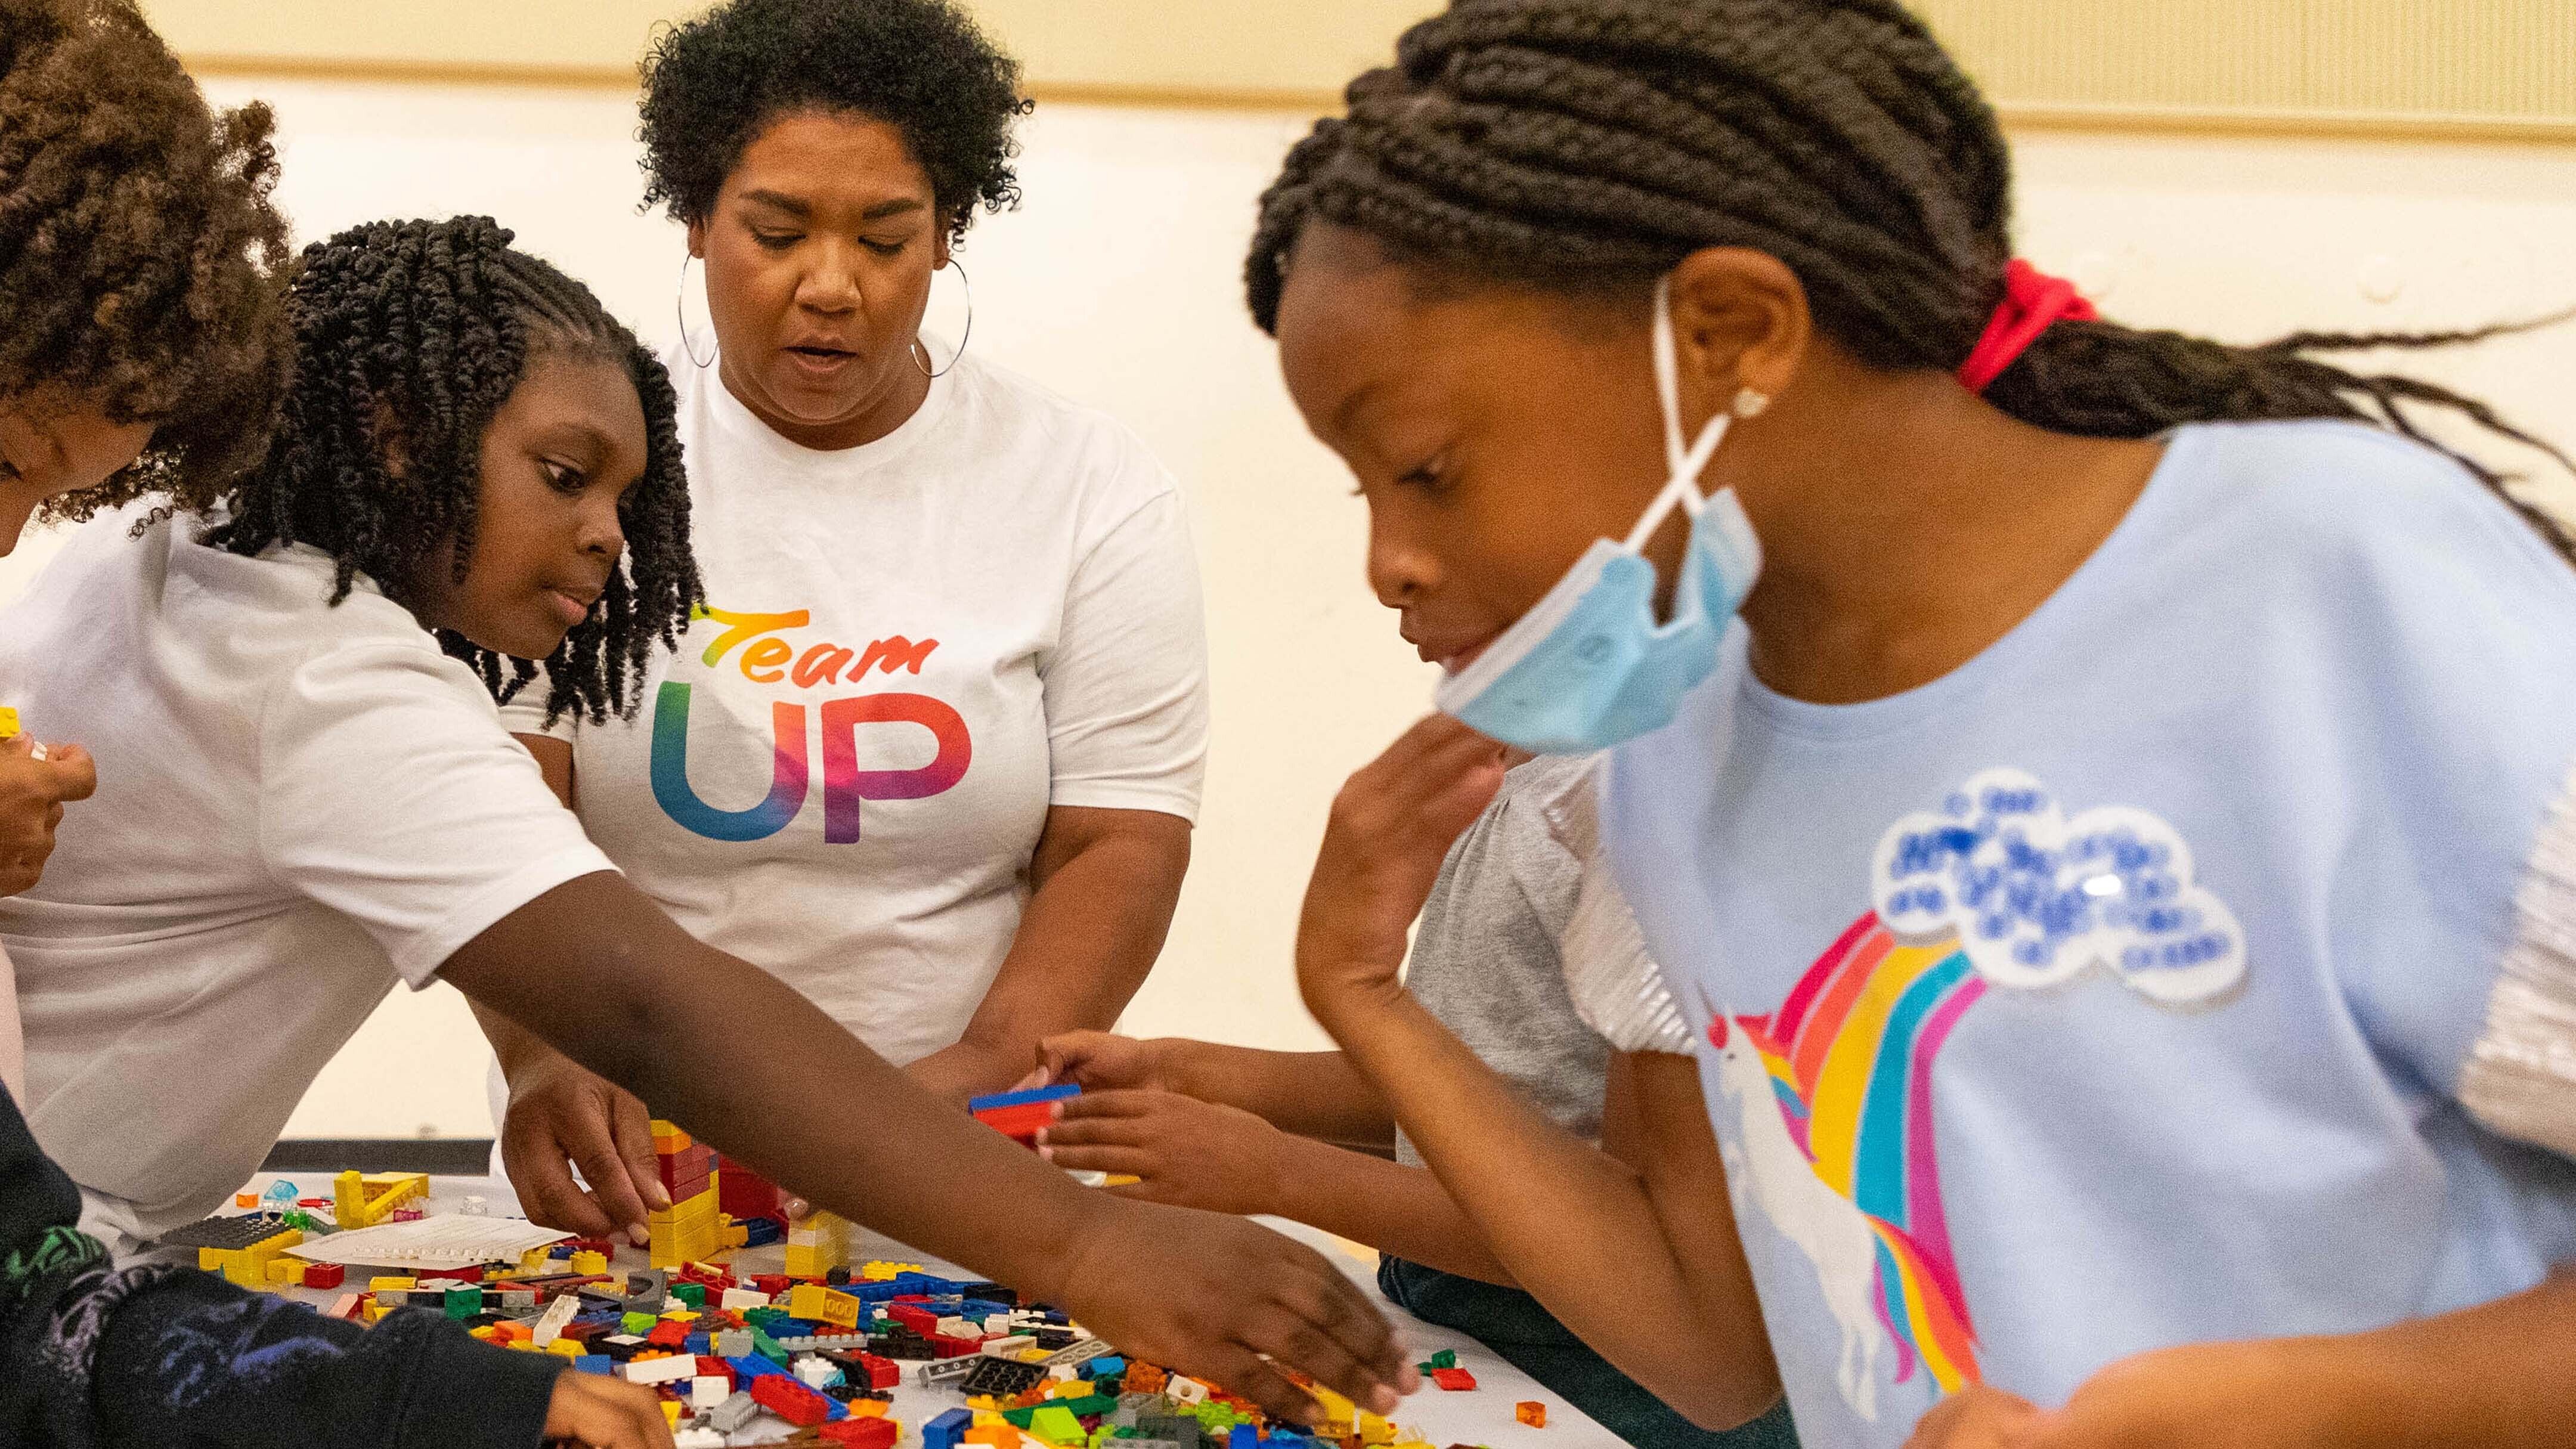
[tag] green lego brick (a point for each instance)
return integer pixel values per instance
(464, 1302)
(639, 1323)
(692, 1294)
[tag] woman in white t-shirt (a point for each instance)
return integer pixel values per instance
(145, 348)
(309, 796)
(932, 751)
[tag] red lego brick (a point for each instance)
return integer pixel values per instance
(919, 1320)
(461, 1275)
(772, 1284)
(947, 1347)
(861, 1433)
(742, 1193)
(324, 1275)
(790, 1400)
(669, 1333)
(1455, 1380)
(709, 1368)
(1019, 1123)
(883, 1373)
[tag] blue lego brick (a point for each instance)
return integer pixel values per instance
(1243, 1436)
(752, 1366)
(594, 1363)
(1107, 1366)
(1017, 1099)
(946, 1431)
(699, 1344)
(927, 1286)
(784, 1326)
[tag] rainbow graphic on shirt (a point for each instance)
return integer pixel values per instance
(767, 658)
(1998, 889)
(1836, 1093)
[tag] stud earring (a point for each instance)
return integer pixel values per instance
(1750, 402)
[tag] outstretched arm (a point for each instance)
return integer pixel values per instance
(1618, 1253)
(602, 975)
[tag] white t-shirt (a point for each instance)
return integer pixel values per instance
(913, 648)
(297, 805)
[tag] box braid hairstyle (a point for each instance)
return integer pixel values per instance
(1588, 146)
(142, 266)
(409, 336)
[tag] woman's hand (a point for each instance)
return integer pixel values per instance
(35, 783)
(1183, 1151)
(605, 1413)
(562, 1114)
(1391, 827)
(1216, 1297)
(1102, 1061)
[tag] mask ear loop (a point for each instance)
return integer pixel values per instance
(1686, 463)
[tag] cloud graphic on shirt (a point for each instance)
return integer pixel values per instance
(2036, 898)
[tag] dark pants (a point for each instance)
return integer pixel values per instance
(1512, 1324)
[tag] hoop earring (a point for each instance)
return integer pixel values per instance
(681, 312)
(921, 354)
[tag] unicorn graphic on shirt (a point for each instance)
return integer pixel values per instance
(1998, 889)
(1834, 1095)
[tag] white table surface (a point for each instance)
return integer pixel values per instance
(1483, 1416)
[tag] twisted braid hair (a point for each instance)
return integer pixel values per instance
(409, 337)
(141, 264)
(1588, 146)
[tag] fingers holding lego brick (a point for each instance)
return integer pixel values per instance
(1248, 1375)
(600, 1412)
(1188, 1152)
(35, 781)
(1099, 1061)
(560, 1114)
(1210, 1295)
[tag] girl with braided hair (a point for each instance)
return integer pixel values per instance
(2087, 952)
(314, 797)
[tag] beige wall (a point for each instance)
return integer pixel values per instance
(2502, 67)
(1117, 284)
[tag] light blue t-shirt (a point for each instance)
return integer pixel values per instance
(2113, 991)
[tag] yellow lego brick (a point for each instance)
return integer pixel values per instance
(1374, 1430)
(873, 1409)
(376, 1310)
(392, 1285)
(286, 1272)
(671, 1412)
(669, 1137)
(568, 1347)
(589, 1263)
(362, 1200)
(8, 724)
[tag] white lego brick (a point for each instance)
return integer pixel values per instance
(737, 1299)
(662, 1370)
(708, 1390)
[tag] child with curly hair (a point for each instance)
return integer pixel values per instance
(312, 797)
(140, 269)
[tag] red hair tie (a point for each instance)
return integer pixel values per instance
(2033, 302)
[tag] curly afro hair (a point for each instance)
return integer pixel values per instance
(142, 267)
(421, 330)
(713, 84)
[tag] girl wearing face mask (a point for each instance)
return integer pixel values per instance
(145, 347)
(932, 750)
(2109, 887)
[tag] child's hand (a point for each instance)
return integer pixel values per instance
(605, 1413)
(560, 1113)
(1214, 1296)
(1101, 1061)
(1391, 827)
(33, 791)
(2199, 1396)
(1187, 1152)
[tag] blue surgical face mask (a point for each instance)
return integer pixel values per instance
(1588, 667)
